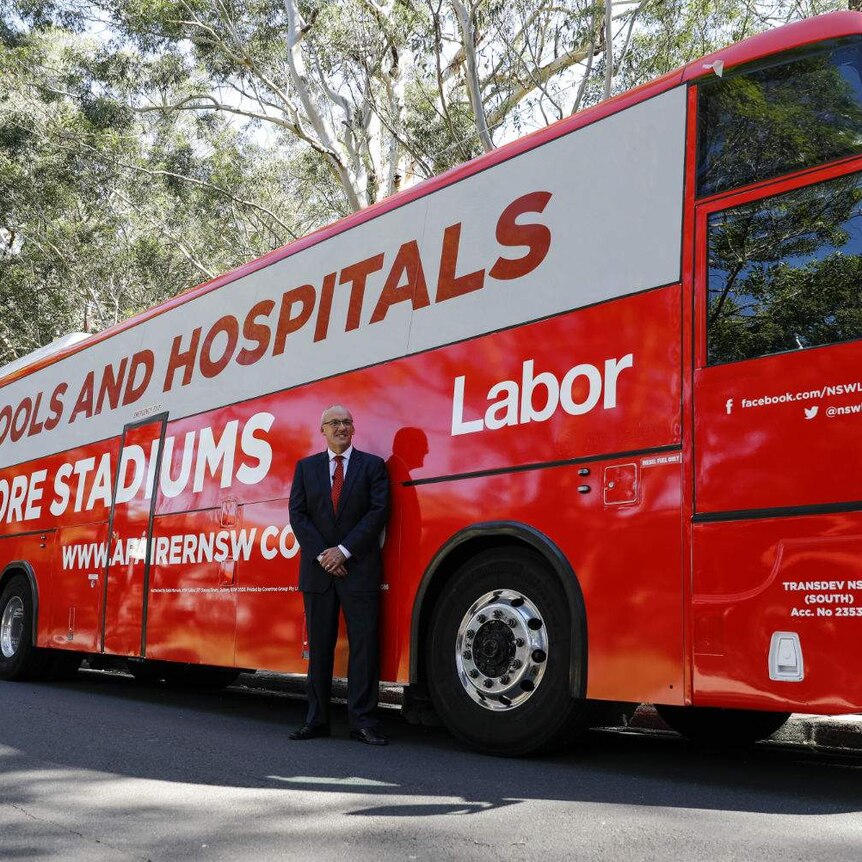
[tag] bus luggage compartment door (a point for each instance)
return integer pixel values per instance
(124, 606)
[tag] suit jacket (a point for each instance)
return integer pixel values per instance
(358, 523)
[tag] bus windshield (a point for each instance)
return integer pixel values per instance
(774, 119)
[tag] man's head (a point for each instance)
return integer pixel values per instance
(336, 425)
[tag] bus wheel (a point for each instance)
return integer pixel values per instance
(499, 655)
(19, 658)
(721, 727)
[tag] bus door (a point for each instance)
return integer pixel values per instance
(127, 573)
(777, 533)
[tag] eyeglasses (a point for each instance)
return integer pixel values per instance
(337, 423)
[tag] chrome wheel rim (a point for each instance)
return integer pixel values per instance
(12, 627)
(501, 650)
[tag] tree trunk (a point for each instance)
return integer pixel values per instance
(609, 49)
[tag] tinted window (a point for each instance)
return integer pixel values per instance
(785, 273)
(770, 121)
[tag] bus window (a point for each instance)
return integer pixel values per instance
(785, 272)
(768, 121)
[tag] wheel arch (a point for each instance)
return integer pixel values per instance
(473, 540)
(22, 567)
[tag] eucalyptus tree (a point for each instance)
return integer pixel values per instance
(103, 212)
(381, 92)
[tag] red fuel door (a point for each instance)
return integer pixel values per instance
(621, 484)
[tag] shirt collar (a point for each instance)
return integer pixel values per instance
(345, 454)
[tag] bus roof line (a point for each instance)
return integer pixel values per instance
(834, 25)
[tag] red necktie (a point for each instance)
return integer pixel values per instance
(337, 480)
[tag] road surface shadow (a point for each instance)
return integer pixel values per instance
(238, 737)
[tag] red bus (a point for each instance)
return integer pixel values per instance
(613, 368)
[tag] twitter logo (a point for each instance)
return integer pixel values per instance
(810, 412)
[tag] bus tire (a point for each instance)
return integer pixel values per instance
(499, 656)
(19, 657)
(714, 726)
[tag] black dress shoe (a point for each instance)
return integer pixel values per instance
(310, 731)
(369, 736)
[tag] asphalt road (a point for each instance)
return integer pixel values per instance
(100, 769)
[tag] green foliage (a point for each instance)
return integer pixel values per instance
(107, 207)
(448, 139)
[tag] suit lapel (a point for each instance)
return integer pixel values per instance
(322, 471)
(353, 468)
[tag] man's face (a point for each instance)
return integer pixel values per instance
(338, 434)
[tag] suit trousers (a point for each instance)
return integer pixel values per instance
(361, 613)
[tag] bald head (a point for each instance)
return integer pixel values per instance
(336, 425)
(336, 409)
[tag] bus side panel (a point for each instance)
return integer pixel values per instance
(800, 575)
(627, 559)
(76, 587)
(69, 498)
(779, 431)
(595, 381)
(191, 615)
(67, 489)
(590, 382)
(626, 555)
(269, 627)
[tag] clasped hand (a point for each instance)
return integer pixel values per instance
(332, 560)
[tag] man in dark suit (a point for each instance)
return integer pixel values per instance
(338, 506)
